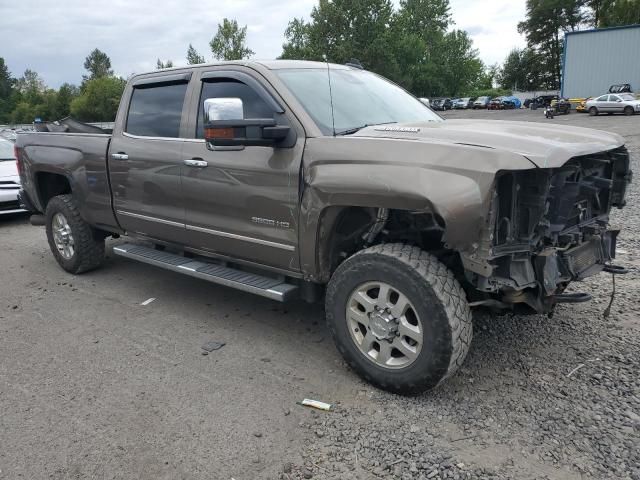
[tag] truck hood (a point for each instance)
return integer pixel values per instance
(546, 146)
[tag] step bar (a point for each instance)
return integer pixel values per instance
(269, 287)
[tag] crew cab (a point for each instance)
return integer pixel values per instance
(300, 179)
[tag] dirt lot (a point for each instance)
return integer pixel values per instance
(95, 385)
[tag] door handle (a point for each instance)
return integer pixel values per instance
(196, 162)
(120, 156)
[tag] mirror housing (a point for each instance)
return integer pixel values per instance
(225, 125)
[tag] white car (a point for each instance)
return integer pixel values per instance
(9, 179)
(425, 101)
(613, 103)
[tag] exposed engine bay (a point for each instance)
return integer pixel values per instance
(548, 227)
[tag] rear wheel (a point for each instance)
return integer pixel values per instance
(399, 317)
(628, 110)
(593, 111)
(74, 244)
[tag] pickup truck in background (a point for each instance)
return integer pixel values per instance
(259, 176)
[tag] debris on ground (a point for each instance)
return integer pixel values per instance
(212, 345)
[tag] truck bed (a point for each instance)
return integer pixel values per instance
(81, 158)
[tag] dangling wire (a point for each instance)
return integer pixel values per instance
(607, 312)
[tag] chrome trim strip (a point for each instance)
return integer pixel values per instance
(283, 246)
(142, 137)
(194, 228)
(151, 219)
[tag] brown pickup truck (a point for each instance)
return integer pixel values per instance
(300, 179)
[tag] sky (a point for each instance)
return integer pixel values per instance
(54, 37)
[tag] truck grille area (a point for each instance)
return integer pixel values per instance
(559, 207)
(550, 225)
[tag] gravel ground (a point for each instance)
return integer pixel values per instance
(95, 385)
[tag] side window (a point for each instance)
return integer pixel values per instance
(614, 98)
(156, 110)
(254, 106)
(602, 98)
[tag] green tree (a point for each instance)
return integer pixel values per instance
(66, 94)
(544, 26)
(230, 41)
(193, 57)
(410, 45)
(297, 45)
(30, 84)
(98, 64)
(520, 70)
(99, 100)
(461, 69)
(344, 30)
(160, 64)
(613, 13)
(6, 91)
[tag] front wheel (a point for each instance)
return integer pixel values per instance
(74, 244)
(399, 317)
(593, 111)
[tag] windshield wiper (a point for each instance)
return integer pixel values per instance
(351, 131)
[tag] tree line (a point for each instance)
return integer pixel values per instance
(415, 44)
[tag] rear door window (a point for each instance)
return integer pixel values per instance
(156, 110)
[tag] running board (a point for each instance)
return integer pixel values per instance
(269, 287)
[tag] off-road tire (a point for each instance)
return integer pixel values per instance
(437, 298)
(593, 111)
(628, 110)
(88, 244)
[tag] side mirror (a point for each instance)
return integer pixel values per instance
(225, 125)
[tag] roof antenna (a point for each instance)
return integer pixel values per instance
(333, 118)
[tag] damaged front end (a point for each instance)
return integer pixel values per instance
(546, 228)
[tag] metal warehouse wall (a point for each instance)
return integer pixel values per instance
(597, 59)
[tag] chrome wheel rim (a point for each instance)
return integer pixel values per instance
(62, 236)
(384, 325)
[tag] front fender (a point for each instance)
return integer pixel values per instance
(454, 182)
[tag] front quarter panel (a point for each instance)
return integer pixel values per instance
(453, 181)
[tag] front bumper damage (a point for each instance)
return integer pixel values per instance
(547, 228)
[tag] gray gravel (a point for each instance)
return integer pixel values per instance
(95, 385)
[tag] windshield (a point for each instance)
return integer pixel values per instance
(359, 98)
(6, 150)
(626, 96)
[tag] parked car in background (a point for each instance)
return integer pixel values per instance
(561, 105)
(511, 102)
(620, 88)
(540, 101)
(582, 105)
(462, 103)
(613, 103)
(481, 102)
(9, 179)
(441, 104)
(496, 104)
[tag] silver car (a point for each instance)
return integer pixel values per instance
(613, 103)
(9, 179)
